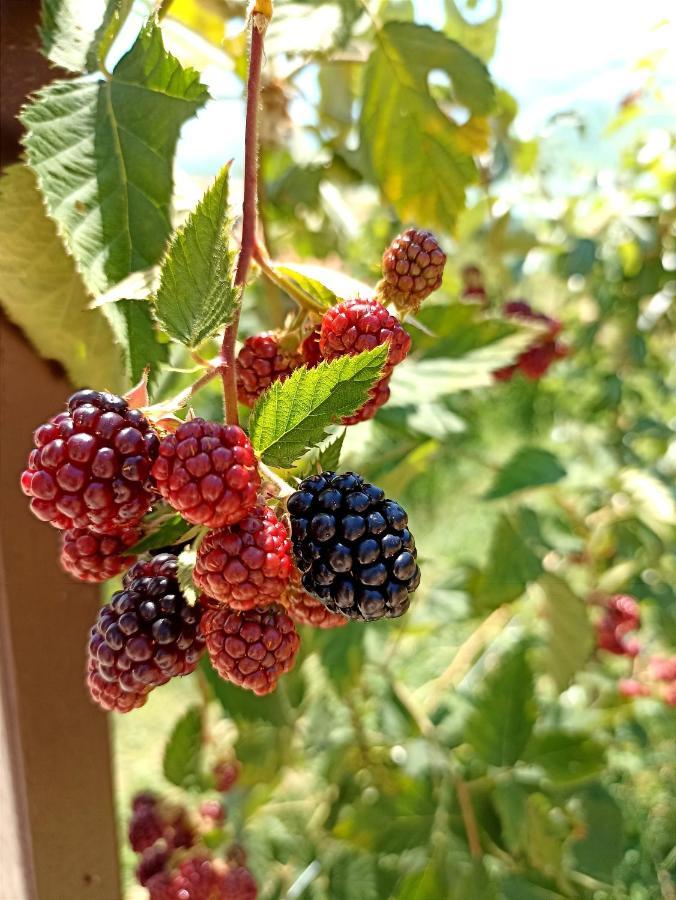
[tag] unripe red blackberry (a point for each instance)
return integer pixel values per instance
(362, 324)
(239, 884)
(378, 396)
(247, 564)
(260, 362)
(305, 609)
(88, 556)
(413, 267)
(535, 360)
(631, 687)
(153, 861)
(213, 812)
(309, 349)
(146, 825)
(196, 878)
(208, 472)
(662, 668)
(353, 546)
(622, 615)
(252, 648)
(226, 773)
(146, 635)
(91, 465)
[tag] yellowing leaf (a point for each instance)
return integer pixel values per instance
(41, 291)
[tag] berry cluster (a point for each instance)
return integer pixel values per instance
(412, 268)
(353, 546)
(545, 349)
(622, 616)
(174, 861)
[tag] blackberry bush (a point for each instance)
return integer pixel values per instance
(353, 546)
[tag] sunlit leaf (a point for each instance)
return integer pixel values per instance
(529, 467)
(183, 752)
(570, 637)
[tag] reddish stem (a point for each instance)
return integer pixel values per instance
(228, 371)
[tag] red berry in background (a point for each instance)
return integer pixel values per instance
(630, 687)
(309, 349)
(378, 396)
(213, 811)
(208, 473)
(621, 615)
(247, 564)
(144, 636)
(146, 826)
(196, 878)
(535, 360)
(357, 325)
(91, 465)
(252, 648)
(305, 609)
(473, 288)
(88, 556)
(260, 362)
(239, 884)
(413, 267)
(153, 861)
(662, 668)
(226, 774)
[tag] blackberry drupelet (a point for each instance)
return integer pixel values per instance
(88, 556)
(260, 362)
(91, 465)
(353, 546)
(146, 635)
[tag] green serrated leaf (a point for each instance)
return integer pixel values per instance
(42, 293)
(529, 467)
(76, 34)
(328, 458)
(243, 706)
(565, 756)
(425, 179)
(292, 415)
(503, 709)
(167, 534)
(135, 332)
(602, 847)
(196, 296)
(103, 153)
(510, 567)
(570, 635)
(183, 752)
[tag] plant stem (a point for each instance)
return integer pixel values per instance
(259, 20)
(468, 818)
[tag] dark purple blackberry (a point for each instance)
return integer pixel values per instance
(146, 635)
(353, 547)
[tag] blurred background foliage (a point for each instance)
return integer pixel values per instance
(481, 747)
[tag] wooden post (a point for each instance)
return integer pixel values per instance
(57, 819)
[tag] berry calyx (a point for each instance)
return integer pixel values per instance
(353, 546)
(362, 324)
(208, 473)
(247, 564)
(93, 557)
(91, 465)
(305, 609)
(260, 362)
(145, 635)
(251, 648)
(413, 267)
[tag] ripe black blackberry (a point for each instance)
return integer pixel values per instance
(146, 635)
(353, 546)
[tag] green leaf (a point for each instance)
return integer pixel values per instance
(168, 533)
(503, 709)
(183, 752)
(292, 415)
(328, 458)
(515, 888)
(602, 848)
(42, 293)
(529, 467)
(323, 287)
(510, 567)
(456, 329)
(103, 153)
(354, 876)
(244, 706)
(570, 635)
(342, 653)
(480, 38)
(196, 296)
(422, 159)
(135, 332)
(565, 756)
(76, 34)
